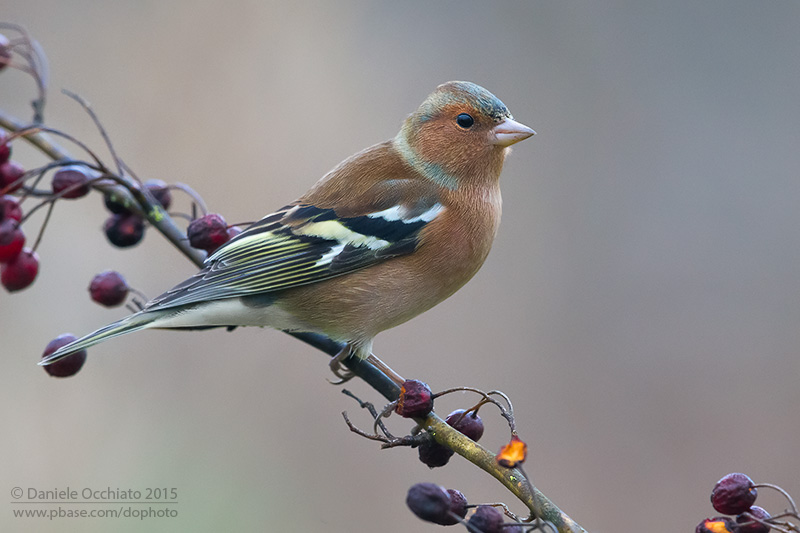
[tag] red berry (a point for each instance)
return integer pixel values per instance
(733, 494)
(69, 365)
(74, 178)
(160, 191)
(718, 524)
(430, 502)
(470, 424)
(416, 399)
(10, 172)
(208, 232)
(746, 524)
(20, 272)
(434, 454)
(5, 148)
(5, 51)
(124, 230)
(9, 208)
(108, 288)
(11, 240)
(487, 519)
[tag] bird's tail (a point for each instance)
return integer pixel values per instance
(128, 324)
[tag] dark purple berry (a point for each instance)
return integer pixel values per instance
(10, 172)
(733, 494)
(19, 272)
(208, 232)
(124, 230)
(12, 239)
(5, 147)
(73, 179)
(415, 401)
(108, 288)
(470, 424)
(487, 519)
(746, 524)
(718, 524)
(429, 502)
(5, 51)
(434, 454)
(458, 507)
(69, 365)
(115, 207)
(9, 208)
(160, 191)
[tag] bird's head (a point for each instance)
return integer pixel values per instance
(460, 133)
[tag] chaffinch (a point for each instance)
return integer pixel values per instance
(386, 235)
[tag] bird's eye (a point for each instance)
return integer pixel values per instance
(465, 121)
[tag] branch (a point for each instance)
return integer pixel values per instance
(127, 190)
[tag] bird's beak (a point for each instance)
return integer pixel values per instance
(509, 132)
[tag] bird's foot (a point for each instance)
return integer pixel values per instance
(338, 370)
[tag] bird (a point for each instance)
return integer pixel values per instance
(387, 234)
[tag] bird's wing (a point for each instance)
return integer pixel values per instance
(303, 243)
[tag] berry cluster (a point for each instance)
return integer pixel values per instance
(447, 507)
(432, 502)
(734, 495)
(416, 401)
(70, 180)
(125, 227)
(18, 265)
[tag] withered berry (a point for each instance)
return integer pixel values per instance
(68, 366)
(160, 191)
(458, 507)
(416, 399)
(487, 519)
(208, 232)
(9, 208)
(746, 524)
(513, 454)
(11, 239)
(429, 502)
(124, 230)
(718, 524)
(73, 179)
(434, 454)
(5, 147)
(10, 172)
(19, 272)
(108, 288)
(470, 424)
(733, 494)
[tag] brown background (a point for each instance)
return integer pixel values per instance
(640, 304)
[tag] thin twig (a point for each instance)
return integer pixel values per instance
(44, 225)
(99, 125)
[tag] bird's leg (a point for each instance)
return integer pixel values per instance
(383, 367)
(346, 375)
(336, 365)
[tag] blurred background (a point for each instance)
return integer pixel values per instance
(640, 305)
